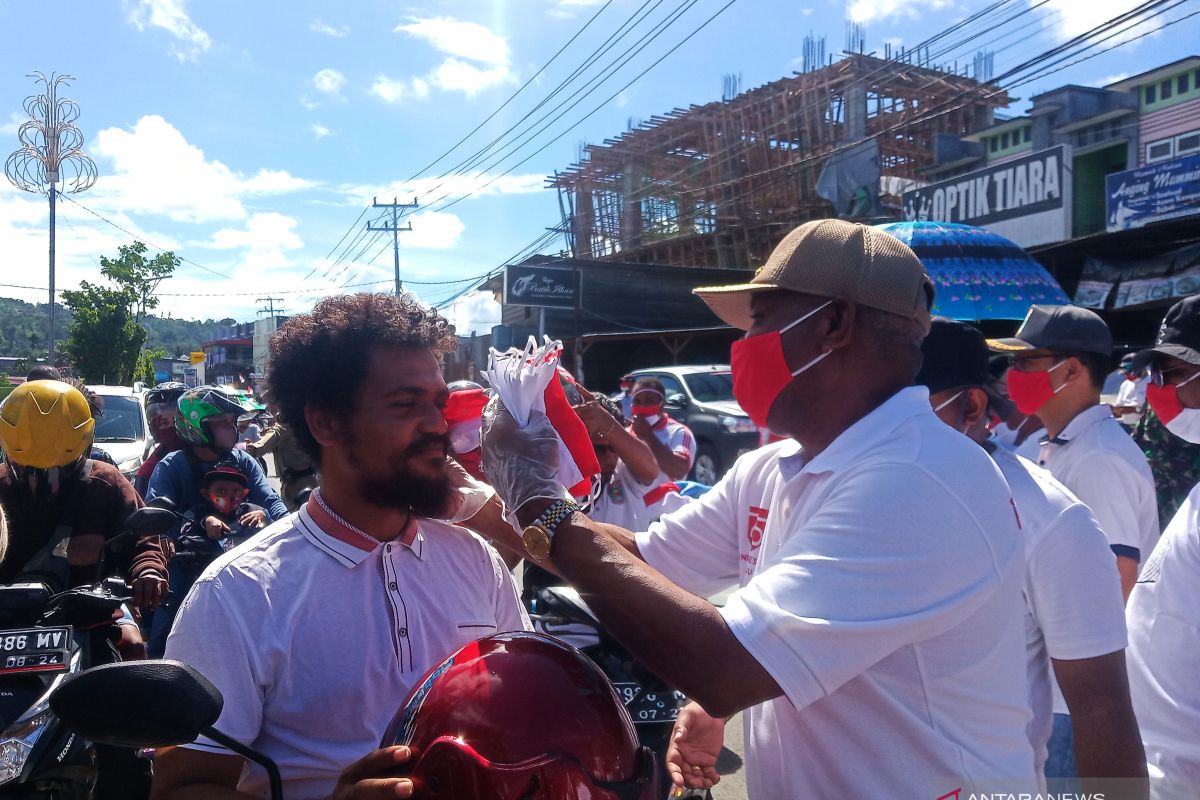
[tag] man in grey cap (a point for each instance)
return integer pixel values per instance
(1060, 358)
(875, 644)
(1075, 615)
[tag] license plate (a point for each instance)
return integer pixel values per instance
(34, 650)
(648, 708)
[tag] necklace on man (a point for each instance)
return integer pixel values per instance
(325, 506)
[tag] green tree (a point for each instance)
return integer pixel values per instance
(104, 338)
(132, 270)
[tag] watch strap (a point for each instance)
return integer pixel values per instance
(555, 514)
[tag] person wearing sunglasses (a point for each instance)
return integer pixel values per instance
(1163, 614)
(1060, 358)
(1074, 611)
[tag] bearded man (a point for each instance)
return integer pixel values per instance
(316, 629)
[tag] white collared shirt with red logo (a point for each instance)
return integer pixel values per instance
(881, 587)
(628, 504)
(314, 635)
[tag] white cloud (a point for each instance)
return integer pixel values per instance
(319, 130)
(171, 16)
(14, 122)
(337, 32)
(869, 10)
(1110, 79)
(1070, 18)
(266, 238)
(329, 81)
(475, 59)
(459, 76)
(397, 90)
(155, 170)
(476, 312)
(458, 38)
(433, 230)
(428, 190)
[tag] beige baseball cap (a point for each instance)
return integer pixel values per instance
(834, 258)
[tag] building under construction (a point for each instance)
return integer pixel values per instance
(719, 185)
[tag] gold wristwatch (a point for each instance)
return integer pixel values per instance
(539, 533)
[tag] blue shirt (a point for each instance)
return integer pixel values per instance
(177, 477)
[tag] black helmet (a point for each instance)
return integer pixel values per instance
(165, 393)
(461, 386)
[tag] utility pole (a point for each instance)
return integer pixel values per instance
(394, 228)
(270, 310)
(51, 159)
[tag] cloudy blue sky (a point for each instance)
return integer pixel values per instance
(249, 136)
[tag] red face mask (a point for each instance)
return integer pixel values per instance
(1031, 390)
(1165, 401)
(645, 410)
(761, 372)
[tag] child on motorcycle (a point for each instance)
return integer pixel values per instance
(219, 522)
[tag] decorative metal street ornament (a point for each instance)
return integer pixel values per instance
(50, 160)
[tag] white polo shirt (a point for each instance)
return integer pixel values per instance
(1164, 656)
(315, 636)
(627, 503)
(1097, 460)
(881, 588)
(1074, 607)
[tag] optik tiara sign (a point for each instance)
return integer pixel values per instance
(535, 285)
(1025, 199)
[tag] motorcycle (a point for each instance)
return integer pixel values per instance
(149, 704)
(652, 705)
(45, 639)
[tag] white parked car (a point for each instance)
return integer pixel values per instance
(122, 431)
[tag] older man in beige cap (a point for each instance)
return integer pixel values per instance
(875, 642)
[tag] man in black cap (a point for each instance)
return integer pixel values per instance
(1074, 617)
(1163, 615)
(1060, 358)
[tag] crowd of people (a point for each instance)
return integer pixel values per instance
(954, 570)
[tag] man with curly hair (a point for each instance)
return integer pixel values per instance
(323, 622)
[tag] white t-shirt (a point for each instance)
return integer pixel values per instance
(1132, 393)
(1074, 607)
(1097, 460)
(626, 503)
(881, 588)
(315, 637)
(1164, 656)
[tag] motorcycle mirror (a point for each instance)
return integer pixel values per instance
(138, 704)
(162, 502)
(151, 520)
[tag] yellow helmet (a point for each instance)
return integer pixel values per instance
(45, 424)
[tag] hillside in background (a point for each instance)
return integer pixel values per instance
(23, 330)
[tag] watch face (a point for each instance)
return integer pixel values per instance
(537, 542)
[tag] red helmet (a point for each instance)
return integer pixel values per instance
(521, 715)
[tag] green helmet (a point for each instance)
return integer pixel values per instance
(197, 405)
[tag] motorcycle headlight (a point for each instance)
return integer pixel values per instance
(739, 425)
(16, 743)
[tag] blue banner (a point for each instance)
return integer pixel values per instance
(1155, 192)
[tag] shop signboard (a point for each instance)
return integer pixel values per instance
(546, 287)
(1025, 199)
(1155, 192)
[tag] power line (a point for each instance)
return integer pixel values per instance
(141, 238)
